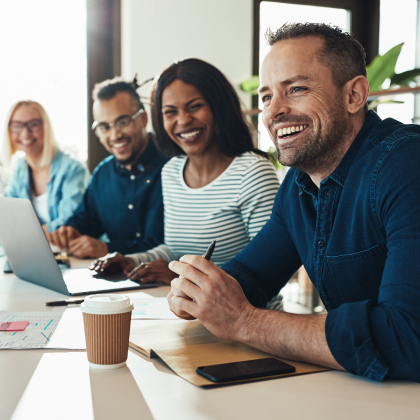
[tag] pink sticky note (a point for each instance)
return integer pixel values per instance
(13, 326)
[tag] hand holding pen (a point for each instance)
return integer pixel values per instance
(174, 292)
(215, 298)
(207, 255)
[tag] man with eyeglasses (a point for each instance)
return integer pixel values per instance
(124, 198)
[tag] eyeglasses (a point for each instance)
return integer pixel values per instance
(122, 123)
(33, 126)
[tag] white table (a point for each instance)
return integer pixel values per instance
(42, 384)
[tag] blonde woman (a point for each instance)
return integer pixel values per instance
(52, 180)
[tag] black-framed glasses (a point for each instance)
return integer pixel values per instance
(33, 126)
(101, 129)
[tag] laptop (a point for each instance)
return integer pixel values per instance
(31, 258)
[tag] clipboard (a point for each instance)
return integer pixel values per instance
(186, 345)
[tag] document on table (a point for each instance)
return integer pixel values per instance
(36, 335)
(46, 330)
(151, 308)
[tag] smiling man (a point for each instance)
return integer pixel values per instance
(348, 210)
(124, 197)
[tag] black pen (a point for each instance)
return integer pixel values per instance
(65, 302)
(210, 250)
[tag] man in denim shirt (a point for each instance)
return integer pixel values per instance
(124, 198)
(349, 211)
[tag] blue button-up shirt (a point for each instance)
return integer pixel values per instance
(358, 237)
(127, 206)
(68, 181)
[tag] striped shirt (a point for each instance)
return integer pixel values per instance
(231, 209)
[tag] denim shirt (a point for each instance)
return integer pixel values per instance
(358, 237)
(68, 181)
(125, 205)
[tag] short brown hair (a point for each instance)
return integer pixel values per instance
(341, 52)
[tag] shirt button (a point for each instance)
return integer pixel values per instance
(132, 177)
(321, 243)
(130, 206)
(327, 193)
(138, 234)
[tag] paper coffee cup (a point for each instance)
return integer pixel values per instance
(107, 320)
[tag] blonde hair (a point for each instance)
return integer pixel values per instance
(50, 145)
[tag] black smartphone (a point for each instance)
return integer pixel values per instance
(244, 370)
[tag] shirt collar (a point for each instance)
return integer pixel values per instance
(341, 171)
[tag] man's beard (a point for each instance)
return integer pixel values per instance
(127, 161)
(133, 155)
(319, 151)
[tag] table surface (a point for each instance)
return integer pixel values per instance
(59, 385)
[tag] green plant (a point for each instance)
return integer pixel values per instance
(273, 156)
(382, 68)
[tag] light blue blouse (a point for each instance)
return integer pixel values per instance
(69, 179)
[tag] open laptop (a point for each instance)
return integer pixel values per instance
(32, 259)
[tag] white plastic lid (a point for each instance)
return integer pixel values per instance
(106, 304)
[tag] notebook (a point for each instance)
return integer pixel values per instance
(186, 345)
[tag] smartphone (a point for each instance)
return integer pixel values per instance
(244, 370)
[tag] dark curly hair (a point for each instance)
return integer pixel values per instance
(341, 52)
(230, 129)
(107, 89)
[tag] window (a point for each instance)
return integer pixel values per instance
(275, 14)
(43, 45)
(403, 21)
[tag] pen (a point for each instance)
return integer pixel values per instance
(210, 250)
(65, 302)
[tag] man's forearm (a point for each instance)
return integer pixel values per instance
(295, 337)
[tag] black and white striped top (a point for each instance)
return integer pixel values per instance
(231, 209)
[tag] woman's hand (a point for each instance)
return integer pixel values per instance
(113, 262)
(153, 271)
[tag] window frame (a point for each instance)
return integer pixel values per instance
(364, 25)
(103, 26)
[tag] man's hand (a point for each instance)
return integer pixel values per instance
(153, 271)
(220, 305)
(87, 247)
(113, 262)
(62, 236)
(218, 301)
(178, 312)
